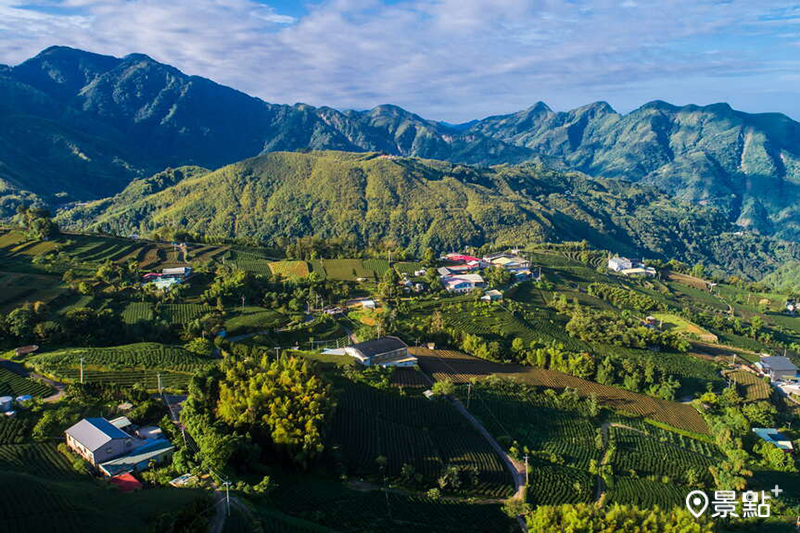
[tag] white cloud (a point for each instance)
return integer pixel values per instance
(448, 59)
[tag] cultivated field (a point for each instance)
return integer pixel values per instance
(332, 505)
(412, 430)
(752, 388)
(681, 325)
(123, 365)
(12, 384)
(461, 368)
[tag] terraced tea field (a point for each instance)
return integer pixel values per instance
(183, 313)
(645, 493)
(646, 456)
(412, 430)
(17, 288)
(12, 384)
(331, 504)
(554, 484)
(137, 312)
(535, 422)
(140, 356)
(753, 388)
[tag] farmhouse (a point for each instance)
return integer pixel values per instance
(97, 440)
(510, 261)
(778, 368)
(178, 274)
(462, 283)
(113, 451)
(461, 258)
(492, 296)
(386, 351)
(773, 437)
(618, 264)
(456, 270)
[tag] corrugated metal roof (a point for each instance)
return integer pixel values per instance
(93, 433)
(139, 456)
(779, 363)
(379, 346)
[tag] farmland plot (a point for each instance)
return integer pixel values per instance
(461, 367)
(12, 384)
(412, 430)
(143, 355)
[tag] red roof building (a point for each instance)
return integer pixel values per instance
(461, 258)
(126, 482)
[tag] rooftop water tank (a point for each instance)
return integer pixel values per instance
(6, 403)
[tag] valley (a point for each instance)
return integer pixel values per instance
(630, 413)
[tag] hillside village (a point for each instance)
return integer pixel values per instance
(469, 388)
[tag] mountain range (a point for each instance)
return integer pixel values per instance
(78, 126)
(367, 198)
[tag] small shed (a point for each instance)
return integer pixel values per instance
(772, 436)
(121, 422)
(183, 480)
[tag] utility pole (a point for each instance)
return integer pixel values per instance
(82, 370)
(242, 302)
(277, 353)
(159, 382)
(469, 393)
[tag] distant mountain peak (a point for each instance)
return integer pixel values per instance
(539, 107)
(140, 57)
(660, 105)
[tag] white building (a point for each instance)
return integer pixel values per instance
(462, 283)
(618, 264)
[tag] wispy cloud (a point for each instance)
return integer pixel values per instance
(448, 59)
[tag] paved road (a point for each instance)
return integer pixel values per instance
(20, 370)
(217, 522)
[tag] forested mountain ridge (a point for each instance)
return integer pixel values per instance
(80, 126)
(417, 203)
(77, 126)
(748, 165)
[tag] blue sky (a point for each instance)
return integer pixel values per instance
(448, 60)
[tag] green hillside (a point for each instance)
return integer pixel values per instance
(421, 203)
(79, 126)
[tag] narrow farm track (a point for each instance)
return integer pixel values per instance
(516, 468)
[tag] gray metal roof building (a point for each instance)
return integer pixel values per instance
(94, 433)
(779, 363)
